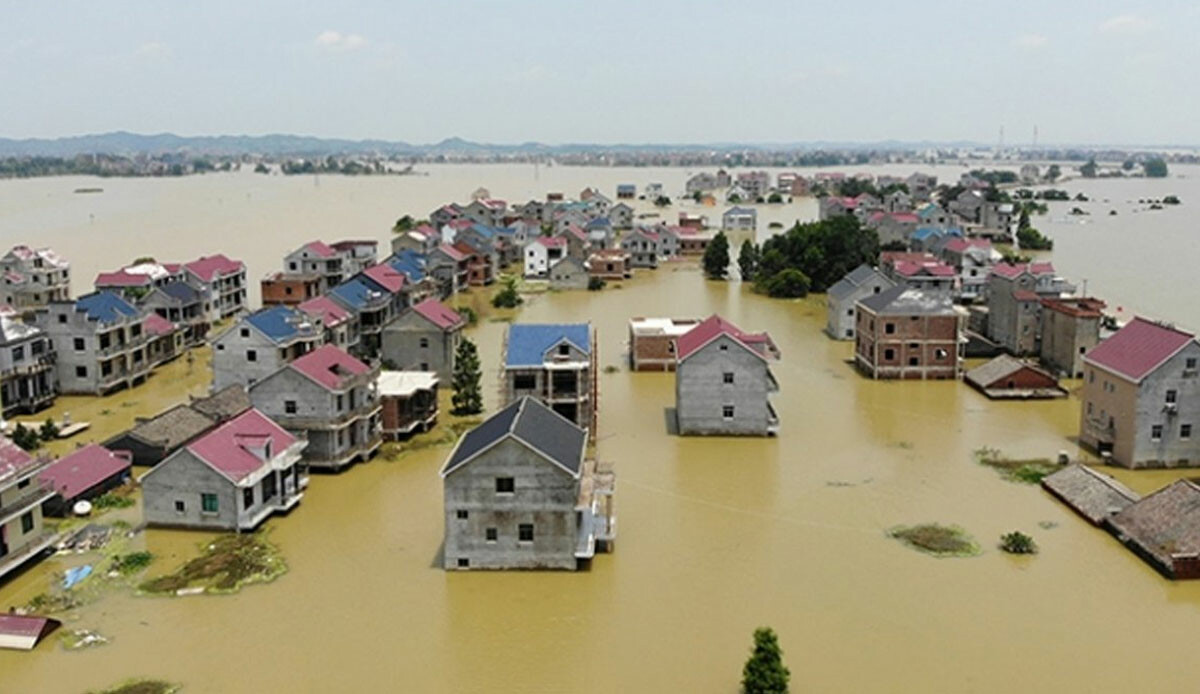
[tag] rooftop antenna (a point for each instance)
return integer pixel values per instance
(1001, 145)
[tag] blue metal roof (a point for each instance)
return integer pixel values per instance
(599, 222)
(528, 342)
(410, 263)
(105, 307)
(356, 293)
(926, 232)
(181, 291)
(278, 322)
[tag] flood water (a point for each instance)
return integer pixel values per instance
(716, 536)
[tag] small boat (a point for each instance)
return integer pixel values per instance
(89, 190)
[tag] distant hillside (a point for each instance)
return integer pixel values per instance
(128, 144)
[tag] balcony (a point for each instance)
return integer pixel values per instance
(772, 421)
(30, 497)
(34, 547)
(1098, 430)
(772, 384)
(333, 421)
(32, 366)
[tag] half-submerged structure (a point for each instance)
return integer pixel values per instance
(723, 381)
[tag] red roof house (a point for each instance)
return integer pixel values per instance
(439, 314)
(330, 366)
(88, 472)
(713, 326)
(1138, 348)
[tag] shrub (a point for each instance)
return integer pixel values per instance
(1018, 542)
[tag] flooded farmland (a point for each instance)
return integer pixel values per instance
(717, 536)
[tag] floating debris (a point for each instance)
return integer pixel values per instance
(79, 639)
(89, 537)
(138, 686)
(1028, 471)
(937, 540)
(226, 565)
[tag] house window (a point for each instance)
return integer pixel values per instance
(491, 534)
(727, 411)
(1171, 395)
(889, 354)
(1185, 431)
(464, 563)
(424, 343)
(62, 318)
(727, 377)
(889, 328)
(914, 361)
(81, 372)
(289, 406)
(524, 382)
(1089, 408)
(1190, 363)
(940, 353)
(180, 507)
(247, 497)
(1091, 376)
(461, 514)
(27, 522)
(245, 332)
(525, 532)
(18, 353)
(1156, 432)
(208, 503)
(505, 485)
(79, 345)
(251, 355)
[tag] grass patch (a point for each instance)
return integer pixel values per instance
(227, 563)
(937, 540)
(444, 435)
(131, 563)
(1028, 471)
(137, 686)
(610, 369)
(109, 500)
(1018, 542)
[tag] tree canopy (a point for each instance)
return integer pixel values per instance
(1155, 168)
(764, 672)
(467, 398)
(823, 251)
(716, 257)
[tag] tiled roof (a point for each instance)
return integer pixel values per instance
(208, 268)
(181, 292)
(405, 383)
(531, 423)
(12, 329)
(903, 301)
(1138, 348)
(329, 366)
(1165, 524)
(280, 323)
(105, 307)
(1093, 495)
(529, 342)
(320, 249)
(123, 278)
(170, 429)
(708, 329)
(328, 310)
(863, 273)
(386, 277)
(998, 368)
(551, 241)
(225, 403)
(439, 314)
(1009, 270)
(14, 460)
(87, 467)
(411, 263)
(155, 324)
(229, 449)
(451, 252)
(907, 268)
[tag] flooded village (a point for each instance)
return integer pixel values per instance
(379, 433)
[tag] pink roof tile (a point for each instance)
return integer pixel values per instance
(229, 448)
(905, 217)
(210, 267)
(439, 314)
(713, 326)
(1025, 295)
(451, 251)
(1042, 268)
(328, 310)
(121, 278)
(907, 268)
(1010, 271)
(329, 366)
(87, 467)
(427, 231)
(1138, 348)
(551, 241)
(387, 276)
(574, 230)
(155, 324)
(320, 249)
(14, 460)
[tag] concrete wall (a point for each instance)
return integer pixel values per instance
(545, 496)
(701, 393)
(183, 477)
(566, 275)
(920, 347)
(402, 345)
(330, 443)
(231, 361)
(1064, 341)
(1171, 450)
(840, 318)
(131, 361)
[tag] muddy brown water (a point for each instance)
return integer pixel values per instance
(716, 537)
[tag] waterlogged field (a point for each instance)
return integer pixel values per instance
(717, 537)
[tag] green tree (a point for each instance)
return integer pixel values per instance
(824, 251)
(1155, 168)
(467, 398)
(662, 201)
(1018, 542)
(733, 199)
(1088, 170)
(716, 257)
(765, 672)
(508, 297)
(261, 168)
(774, 198)
(25, 437)
(595, 284)
(405, 223)
(748, 260)
(1030, 239)
(786, 284)
(1053, 173)
(49, 430)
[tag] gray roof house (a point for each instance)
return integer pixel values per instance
(520, 493)
(152, 439)
(257, 345)
(740, 219)
(27, 380)
(861, 282)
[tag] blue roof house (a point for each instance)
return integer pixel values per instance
(556, 364)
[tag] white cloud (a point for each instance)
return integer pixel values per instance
(337, 41)
(1030, 41)
(153, 49)
(1125, 24)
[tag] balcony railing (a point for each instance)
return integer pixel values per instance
(37, 492)
(1099, 430)
(33, 546)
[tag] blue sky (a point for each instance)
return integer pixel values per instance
(615, 71)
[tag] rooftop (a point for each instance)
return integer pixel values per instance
(531, 423)
(405, 383)
(14, 461)
(281, 323)
(387, 277)
(1139, 348)
(87, 467)
(327, 310)
(528, 343)
(712, 327)
(211, 267)
(1093, 495)
(172, 428)
(231, 448)
(105, 307)
(905, 301)
(439, 314)
(1165, 524)
(330, 366)
(673, 327)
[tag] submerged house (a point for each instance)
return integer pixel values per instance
(1141, 396)
(569, 273)
(723, 381)
(424, 337)
(82, 475)
(1163, 529)
(327, 397)
(520, 493)
(841, 298)
(27, 379)
(229, 479)
(556, 364)
(907, 333)
(652, 342)
(152, 439)
(33, 277)
(1008, 378)
(23, 537)
(260, 343)
(99, 342)
(408, 402)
